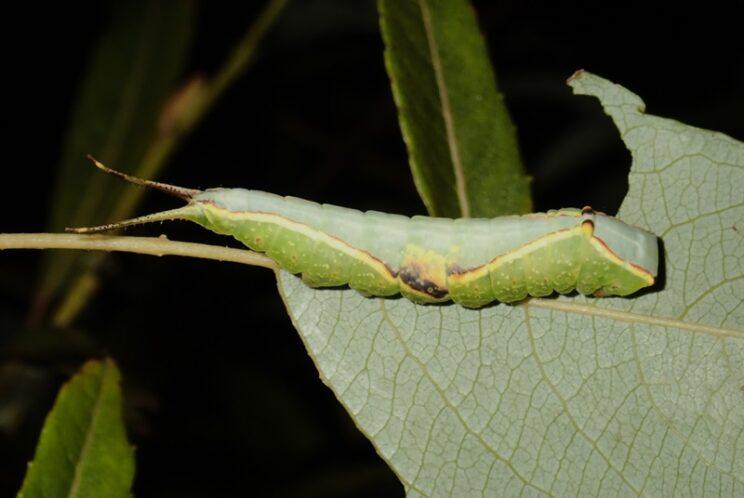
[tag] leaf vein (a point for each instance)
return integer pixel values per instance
(449, 125)
(633, 318)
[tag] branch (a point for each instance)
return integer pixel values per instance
(154, 246)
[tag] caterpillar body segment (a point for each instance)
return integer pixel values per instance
(428, 260)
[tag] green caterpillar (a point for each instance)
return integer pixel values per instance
(428, 260)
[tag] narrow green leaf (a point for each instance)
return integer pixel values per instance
(462, 146)
(571, 396)
(182, 111)
(83, 450)
(133, 70)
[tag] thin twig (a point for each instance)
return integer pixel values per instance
(154, 246)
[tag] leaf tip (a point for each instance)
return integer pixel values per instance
(575, 76)
(609, 94)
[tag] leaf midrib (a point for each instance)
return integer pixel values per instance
(449, 125)
(95, 414)
(635, 318)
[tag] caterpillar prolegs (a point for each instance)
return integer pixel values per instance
(428, 260)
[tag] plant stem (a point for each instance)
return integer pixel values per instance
(154, 246)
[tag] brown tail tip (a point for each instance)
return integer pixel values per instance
(182, 193)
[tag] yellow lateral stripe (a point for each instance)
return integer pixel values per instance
(541, 242)
(600, 245)
(312, 233)
(502, 259)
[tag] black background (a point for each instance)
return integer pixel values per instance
(221, 398)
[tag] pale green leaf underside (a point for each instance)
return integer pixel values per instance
(83, 450)
(567, 396)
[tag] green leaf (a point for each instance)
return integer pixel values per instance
(462, 145)
(567, 396)
(133, 70)
(83, 450)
